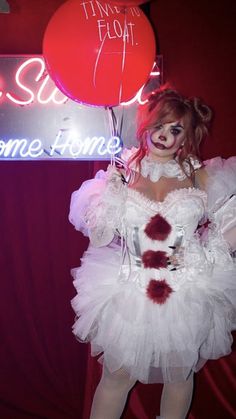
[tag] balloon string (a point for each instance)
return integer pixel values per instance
(114, 130)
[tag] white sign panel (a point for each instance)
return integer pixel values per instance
(38, 122)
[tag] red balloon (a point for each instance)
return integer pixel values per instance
(98, 53)
(128, 2)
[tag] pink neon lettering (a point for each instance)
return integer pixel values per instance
(52, 96)
(18, 78)
(22, 86)
(45, 93)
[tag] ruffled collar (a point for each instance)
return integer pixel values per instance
(155, 170)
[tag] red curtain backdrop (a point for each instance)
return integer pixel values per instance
(45, 372)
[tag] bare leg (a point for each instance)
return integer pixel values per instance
(111, 394)
(176, 399)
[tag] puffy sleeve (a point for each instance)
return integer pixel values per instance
(96, 207)
(221, 192)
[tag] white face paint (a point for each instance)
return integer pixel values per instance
(165, 140)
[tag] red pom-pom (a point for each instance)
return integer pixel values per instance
(158, 291)
(154, 259)
(158, 228)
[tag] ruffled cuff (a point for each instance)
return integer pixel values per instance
(221, 192)
(87, 196)
(221, 183)
(196, 257)
(218, 251)
(225, 221)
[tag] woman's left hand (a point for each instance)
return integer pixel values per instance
(176, 260)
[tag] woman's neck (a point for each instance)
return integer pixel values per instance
(160, 159)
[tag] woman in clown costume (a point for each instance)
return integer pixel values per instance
(157, 285)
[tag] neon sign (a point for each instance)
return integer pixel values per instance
(34, 149)
(39, 122)
(22, 69)
(45, 80)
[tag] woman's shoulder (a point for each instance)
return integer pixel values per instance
(218, 169)
(201, 177)
(219, 164)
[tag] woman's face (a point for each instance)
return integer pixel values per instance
(165, 140)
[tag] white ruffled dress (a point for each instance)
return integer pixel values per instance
(157, 323)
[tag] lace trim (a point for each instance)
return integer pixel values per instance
(155, 170)
(172, 169)
(172, 195)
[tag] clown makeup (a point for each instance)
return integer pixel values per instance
(165, 140)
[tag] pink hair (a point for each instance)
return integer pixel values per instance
(166, 105)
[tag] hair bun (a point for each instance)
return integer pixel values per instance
(164, 90)
(202, 110)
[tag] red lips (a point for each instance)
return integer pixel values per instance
(159, 146)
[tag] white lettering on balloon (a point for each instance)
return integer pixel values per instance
(105, 29)
(96, 9)
(112, 29)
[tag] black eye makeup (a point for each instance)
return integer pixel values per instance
(175, 131)
(156, 128)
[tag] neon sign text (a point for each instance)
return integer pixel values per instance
(38, 122)
(31, 95)
(44, 91)
(88, 146)
(21, 147)
(67, 147)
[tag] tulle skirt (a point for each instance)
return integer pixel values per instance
(152, 342)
